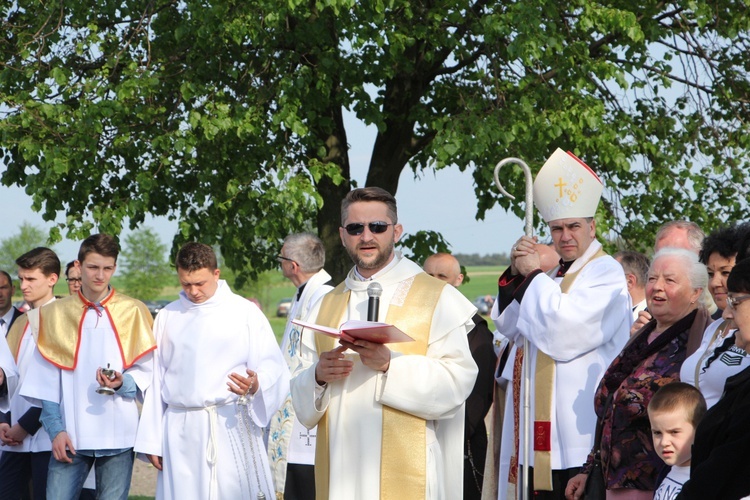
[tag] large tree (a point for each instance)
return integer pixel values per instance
(228, 115)
(143, 259)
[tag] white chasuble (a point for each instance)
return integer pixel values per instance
(432, 387)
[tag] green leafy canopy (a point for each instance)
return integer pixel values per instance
(227, 116)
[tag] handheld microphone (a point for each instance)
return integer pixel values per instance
(373, 302)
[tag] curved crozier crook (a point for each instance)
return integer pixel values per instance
(529, 219)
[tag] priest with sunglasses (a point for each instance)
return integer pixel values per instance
(390, 416)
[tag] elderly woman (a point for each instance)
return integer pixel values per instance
(719, 466)
(651, 359)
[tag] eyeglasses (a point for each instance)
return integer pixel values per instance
(74, 280)
(357, 228)
(281, 257)
(734, 300)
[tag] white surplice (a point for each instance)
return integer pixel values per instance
(432, 387)
(39, 441)
(190, 418)
(582, 331)
(8, 365)
(92, 421)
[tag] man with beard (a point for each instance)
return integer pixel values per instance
(390, 417)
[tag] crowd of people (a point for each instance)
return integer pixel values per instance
(637, 368)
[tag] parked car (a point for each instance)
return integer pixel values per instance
(154, 306)
(282, 310)
(484, 304)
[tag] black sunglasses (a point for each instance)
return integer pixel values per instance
(357, 228)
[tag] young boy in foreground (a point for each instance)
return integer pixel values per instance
(675, 411)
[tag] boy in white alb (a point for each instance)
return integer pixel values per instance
(219, 377)
(78, 336)
(675, 411)
(26, 444)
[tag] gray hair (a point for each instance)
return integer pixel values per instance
(695, 234)
(634, 263)
(307, 250)
(696, 272)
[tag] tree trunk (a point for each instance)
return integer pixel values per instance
(338, 262)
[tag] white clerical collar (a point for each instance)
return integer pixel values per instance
(395, 260)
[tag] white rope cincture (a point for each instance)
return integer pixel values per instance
(211, 451)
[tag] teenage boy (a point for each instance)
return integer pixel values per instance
(26, 445)
(675, 412)
(78, 335)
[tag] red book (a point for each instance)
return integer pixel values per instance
(380, 333)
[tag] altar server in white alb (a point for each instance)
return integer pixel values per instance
(390, 416)
(27, 446)
(576, 318)
(78, 336)
(218, 378)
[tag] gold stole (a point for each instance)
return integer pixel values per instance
(60, 324)
(403, 460)
(544, 383)
(15, 335)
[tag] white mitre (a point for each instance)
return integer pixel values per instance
(566, 188)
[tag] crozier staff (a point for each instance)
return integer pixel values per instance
(576, 319)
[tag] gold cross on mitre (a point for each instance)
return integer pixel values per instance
(563, 188)
(560, 184)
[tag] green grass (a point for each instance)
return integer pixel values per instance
(482, 281)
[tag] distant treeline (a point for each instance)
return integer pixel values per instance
(474, 259)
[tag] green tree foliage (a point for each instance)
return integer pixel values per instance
(12, 247)
(144, 264)
(228, 115)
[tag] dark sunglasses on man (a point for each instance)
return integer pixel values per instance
(357, 228)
